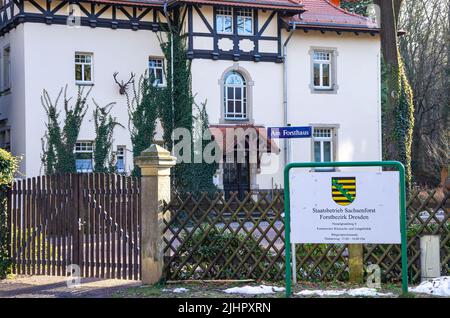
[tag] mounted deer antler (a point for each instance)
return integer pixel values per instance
(123, 86)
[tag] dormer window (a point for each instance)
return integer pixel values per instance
(234, 21)
(244, 21)
(224, 21)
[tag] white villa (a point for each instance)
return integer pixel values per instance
(289, 62)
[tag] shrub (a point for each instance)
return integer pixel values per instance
(232, 248)
(8, 166)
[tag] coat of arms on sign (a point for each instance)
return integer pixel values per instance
(343, 190)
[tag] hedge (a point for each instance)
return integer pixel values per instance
(8, 167)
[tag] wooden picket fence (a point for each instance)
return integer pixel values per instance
(209, 237)
(90, 220)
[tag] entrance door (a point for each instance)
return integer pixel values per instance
(236, 177)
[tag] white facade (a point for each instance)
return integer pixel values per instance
(43, 58)
(353, 111)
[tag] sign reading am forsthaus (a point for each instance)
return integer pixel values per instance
(352, 207)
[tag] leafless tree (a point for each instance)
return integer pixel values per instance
(425, 49)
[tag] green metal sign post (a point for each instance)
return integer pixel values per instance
(287, 214)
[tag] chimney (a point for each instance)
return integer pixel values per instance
(337, 3)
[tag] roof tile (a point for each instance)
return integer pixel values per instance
(325, 13)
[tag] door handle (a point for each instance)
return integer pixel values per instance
(80, 224)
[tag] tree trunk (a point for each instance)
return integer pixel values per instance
(397, 117)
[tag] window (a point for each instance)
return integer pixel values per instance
(224, 21)
(235, 96)
(120, 159)
(322, 69)
(156, 68)
(245, 21)
(84, 156)
(323, 144)
(5, 139)
(6, 56)
(83, 68)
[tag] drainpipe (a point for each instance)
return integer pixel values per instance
(287, 143)
(166, 14)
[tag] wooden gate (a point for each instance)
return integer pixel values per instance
(90, 220)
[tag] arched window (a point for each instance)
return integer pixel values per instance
(235, 96)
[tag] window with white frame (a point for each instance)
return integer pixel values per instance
(6, 64)
(323, 144)
(5, 139)
(84, 68)
(244, 21)
(322, 69)
(235, 96)
(120, 159)
(224, 20)
(156, 71)
(84, 156)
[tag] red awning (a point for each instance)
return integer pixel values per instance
(228, 137)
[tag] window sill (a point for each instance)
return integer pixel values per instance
(318, 88)
(5, 92)
(323, 91)
(84, 83)
(236, 120)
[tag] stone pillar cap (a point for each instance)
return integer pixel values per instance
(155, 156)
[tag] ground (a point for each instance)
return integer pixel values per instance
(56, 287)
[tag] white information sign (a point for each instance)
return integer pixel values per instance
(344, 207)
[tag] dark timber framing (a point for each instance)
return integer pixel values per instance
(14, 13)
(235, 54)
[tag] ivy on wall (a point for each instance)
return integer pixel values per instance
(176, 110)
(397, 117)
(104, 129)
(404, 121)
(60, 138)
(202, 178)
(142, 114)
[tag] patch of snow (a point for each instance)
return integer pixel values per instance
(438, 286)
(364, 291)
(368, 292)
(307, 292)
(176, 290)
(254, 290)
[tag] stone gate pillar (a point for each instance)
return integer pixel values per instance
(155, 163)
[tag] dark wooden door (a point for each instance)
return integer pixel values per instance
(236, 178)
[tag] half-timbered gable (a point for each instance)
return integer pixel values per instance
(146, 15)
(232, 32)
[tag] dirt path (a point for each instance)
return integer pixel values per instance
(56, 287)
